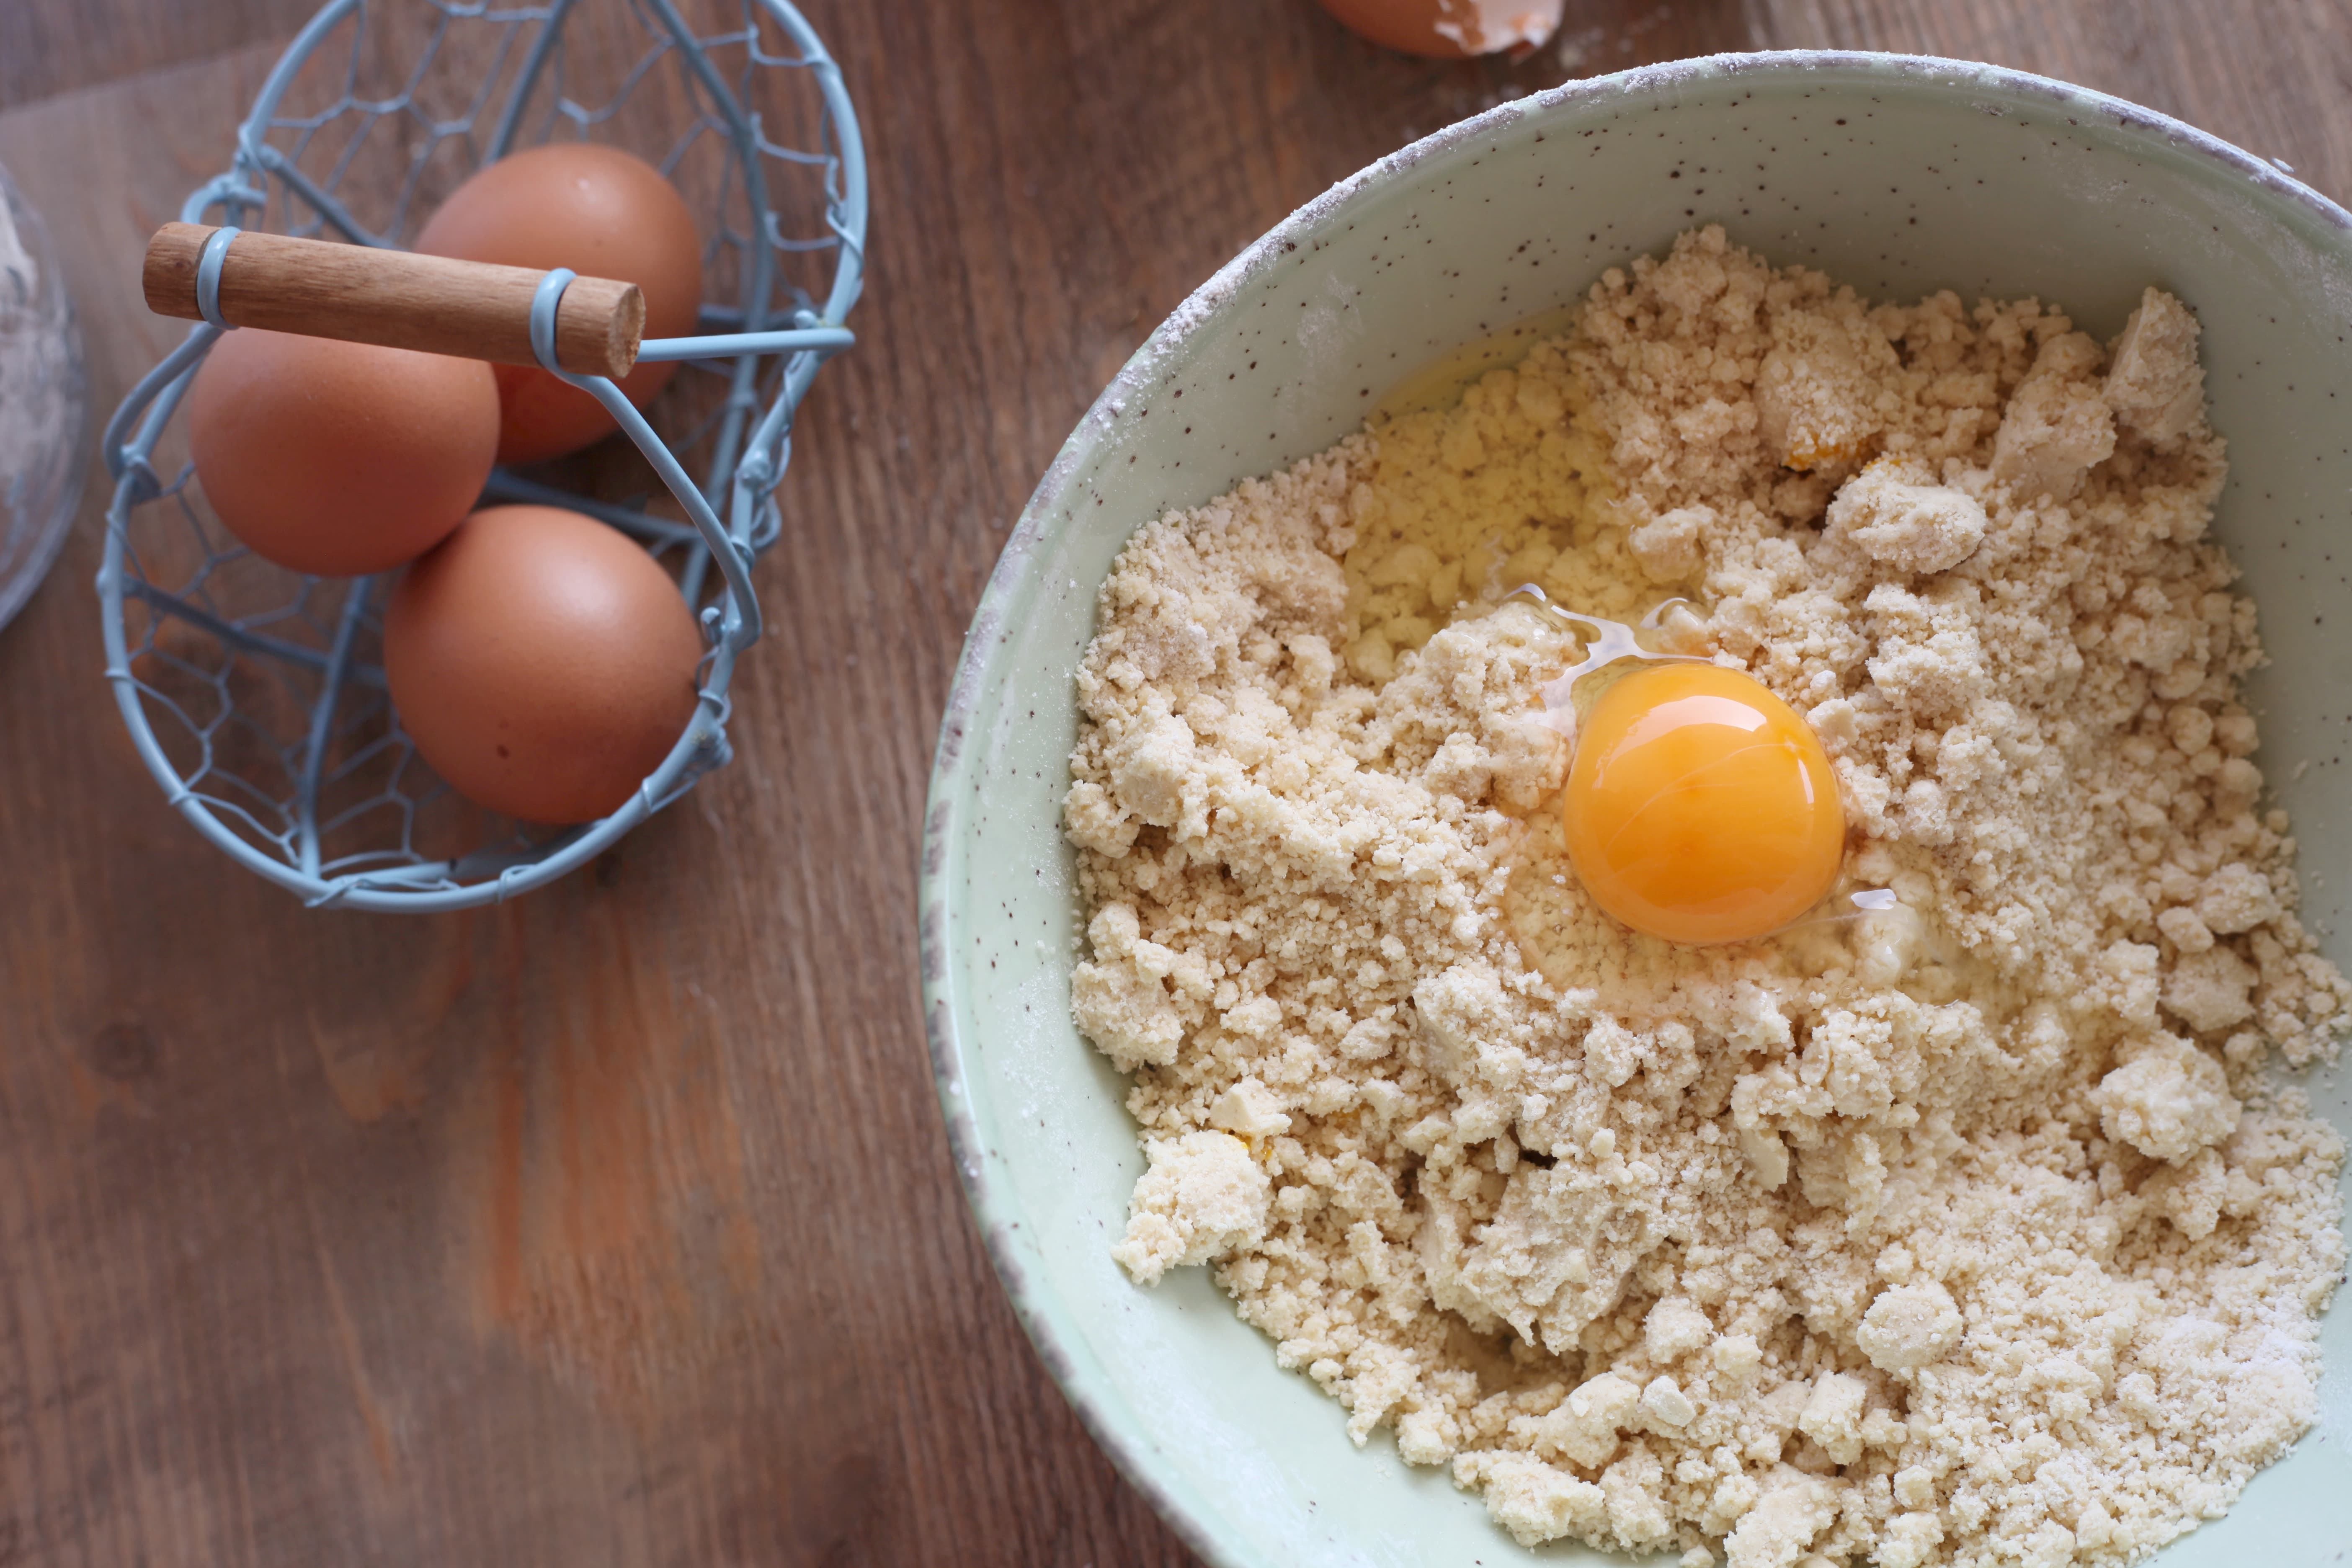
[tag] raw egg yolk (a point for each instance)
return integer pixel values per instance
(1700, 807)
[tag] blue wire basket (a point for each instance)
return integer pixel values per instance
(257, 696)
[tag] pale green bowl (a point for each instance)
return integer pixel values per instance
(1900, 176)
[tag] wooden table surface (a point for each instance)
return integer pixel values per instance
(616, 1225)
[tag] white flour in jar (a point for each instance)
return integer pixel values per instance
(1973, 1231)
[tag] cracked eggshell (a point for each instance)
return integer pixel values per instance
(1449, 29)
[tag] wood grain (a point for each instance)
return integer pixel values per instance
(615, 1226)
(398, 299)
(46, 49)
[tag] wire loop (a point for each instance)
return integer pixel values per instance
(545, 300)
(208, 274)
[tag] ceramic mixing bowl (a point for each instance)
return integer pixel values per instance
(1899, 176)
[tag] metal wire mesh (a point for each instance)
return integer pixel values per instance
(255, 695)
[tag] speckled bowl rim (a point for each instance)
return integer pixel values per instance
(1043, 1315)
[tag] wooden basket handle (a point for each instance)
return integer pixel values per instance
(364, 294)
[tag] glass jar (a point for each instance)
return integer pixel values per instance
(43, 402)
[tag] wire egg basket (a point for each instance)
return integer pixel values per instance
(257, 696)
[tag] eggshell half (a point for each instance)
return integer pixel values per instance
(1449, 29)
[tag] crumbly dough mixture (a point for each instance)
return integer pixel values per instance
(1973, 1231)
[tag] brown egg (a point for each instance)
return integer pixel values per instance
(603, 212)
(542, 662)
(1449, 29)
(340, 458)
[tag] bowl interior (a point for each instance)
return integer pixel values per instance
(1900, 176)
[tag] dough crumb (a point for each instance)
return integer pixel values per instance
(2168, 1100)
(1905, 522)
(1202, 1196)
(2154, 384)
(1908, 1327)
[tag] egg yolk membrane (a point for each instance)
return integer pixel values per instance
(1699, 807)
